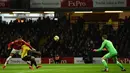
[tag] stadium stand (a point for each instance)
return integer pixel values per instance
(74, 40)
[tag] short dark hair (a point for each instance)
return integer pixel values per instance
(104, 36)
(28, 40)
(18, 37)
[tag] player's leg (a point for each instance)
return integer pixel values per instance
(28, 63)
(104, 58)
(19, 52)
(28, 58)
(8, 59)
(34, 62)
(11, 55)
(118, 63)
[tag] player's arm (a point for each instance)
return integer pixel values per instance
(9, 45)
(27, 44)
(102, 46)
(34, 51)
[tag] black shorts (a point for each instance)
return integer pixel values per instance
(27, 58)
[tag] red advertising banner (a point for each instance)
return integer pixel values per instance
(2, 60)
(63, 60)
(122, 60)
(76, 3)
(72, 3)
(4, 3)
(128, 3)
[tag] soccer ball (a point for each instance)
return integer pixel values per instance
(56, 38)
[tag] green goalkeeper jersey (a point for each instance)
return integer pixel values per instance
(109, 46)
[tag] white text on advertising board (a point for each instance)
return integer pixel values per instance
(109, 3)
(76, 3)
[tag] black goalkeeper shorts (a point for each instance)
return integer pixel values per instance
(27, 58)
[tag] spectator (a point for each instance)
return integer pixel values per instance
(73, 40)
(57, 59)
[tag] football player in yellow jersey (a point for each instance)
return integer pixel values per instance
(26, 57)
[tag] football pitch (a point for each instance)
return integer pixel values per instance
(63, 68)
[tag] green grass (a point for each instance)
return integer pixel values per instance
(64, 68)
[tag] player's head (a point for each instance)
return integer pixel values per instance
(28, 41)
(104, 37)
(19, 37)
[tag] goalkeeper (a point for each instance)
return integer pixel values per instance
(112, 53)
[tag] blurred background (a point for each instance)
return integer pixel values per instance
(79, 24)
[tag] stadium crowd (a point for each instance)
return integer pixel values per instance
(75, 39)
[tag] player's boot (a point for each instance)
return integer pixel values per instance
(123, 69)
(105, 70)
(4, 67)
(38, 67)
(30, 67)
